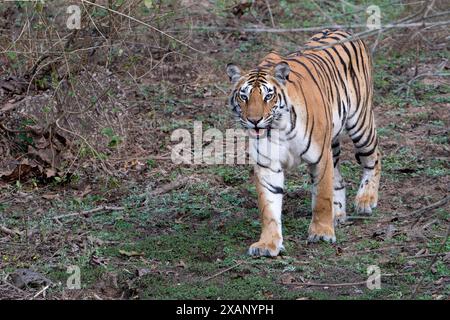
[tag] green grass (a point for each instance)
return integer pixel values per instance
(183, 239)
(249, 287)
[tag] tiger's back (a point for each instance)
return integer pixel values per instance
(337, 76)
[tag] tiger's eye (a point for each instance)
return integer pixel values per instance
(243, 97)
(268, 97)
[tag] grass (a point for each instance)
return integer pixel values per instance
(181, 252)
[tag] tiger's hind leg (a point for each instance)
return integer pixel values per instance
(338, 186)
(367, 196)
(368, 155)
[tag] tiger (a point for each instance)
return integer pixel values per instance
(296, 108)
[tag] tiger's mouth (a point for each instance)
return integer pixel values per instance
(260, 124)
(257, 132)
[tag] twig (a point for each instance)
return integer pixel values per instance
(319, 28)
(348, 284)
(362, 218)
(374, 46)
(88, 212)
(10, 285)
(327, 16)
(430, 207)
(166, 188)
(426, 225)
(400, 246)
(368, 33)
(223, 271)
(220, 89)
(413, 295)
(9, 231)
(428, 255)
(270, 13)
(143, 23)
(268, 30)
(4, 128)
(41, 291)
(313, 284)
(87, 143)
(140, 158)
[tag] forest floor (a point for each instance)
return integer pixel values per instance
(156, 230)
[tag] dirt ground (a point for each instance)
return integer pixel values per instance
(96, 191)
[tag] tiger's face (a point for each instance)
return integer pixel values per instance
(258, 99)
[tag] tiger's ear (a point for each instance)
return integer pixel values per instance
(234, 72)
(281, 72)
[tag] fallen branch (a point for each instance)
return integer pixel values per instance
(428, 255)
(408, 85)
(371, 32)
(166, 188)
(401, 246)
(270, 13)
(334, 285)
(141, 158)
(363, 34)
(362, 218)
(223, 271)
(348, 284)
(170, 186)
(433, 206)
(319, 28)
(41, 292)
(88, 212)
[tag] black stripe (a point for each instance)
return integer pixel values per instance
(266, 167)
(310, 74)
(335, 162)
(364, 154)
(274, 189)
(309, 140)
(293, 116)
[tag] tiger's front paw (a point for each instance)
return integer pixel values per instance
(318, 232)
(339, 217)
(366, 201)
(265, 249)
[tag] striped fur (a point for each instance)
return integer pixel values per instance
(296, 108)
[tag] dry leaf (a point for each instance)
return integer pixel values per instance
(142, 272)
(131, 253)
(339, 250)
(49, 173)
(288, 279)
(50, 196)
(181, 264)
(7, 107)
(98, 261)
(85, 192)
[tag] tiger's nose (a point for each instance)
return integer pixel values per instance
(254, 121)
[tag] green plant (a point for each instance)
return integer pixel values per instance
(114, 139)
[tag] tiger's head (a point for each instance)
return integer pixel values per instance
(258, 98)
